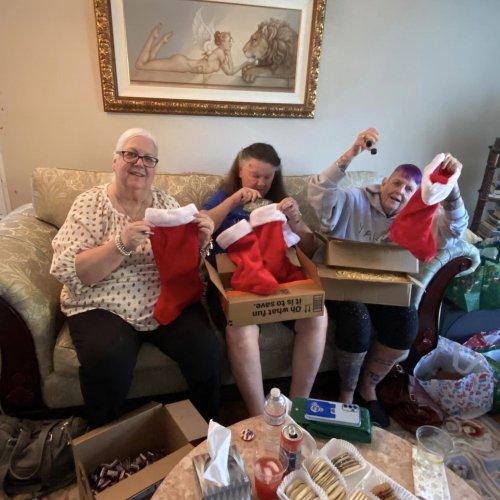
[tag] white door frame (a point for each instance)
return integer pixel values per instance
(4, 192)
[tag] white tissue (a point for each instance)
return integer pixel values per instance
(219, 441)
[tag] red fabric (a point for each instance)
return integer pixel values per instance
(176, 253)
(412, 228)
(250, 275)
(273, 250)
(440, 175)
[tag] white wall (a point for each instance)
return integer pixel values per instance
(426, 74)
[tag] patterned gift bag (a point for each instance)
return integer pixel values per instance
(458, 379)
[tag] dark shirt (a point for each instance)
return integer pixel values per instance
(232, 217)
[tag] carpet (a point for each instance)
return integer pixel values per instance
(476, 454)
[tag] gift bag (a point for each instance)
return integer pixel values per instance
(458, 379)
(481, 288)
(465, 291)
(490, 285)
(488, 344)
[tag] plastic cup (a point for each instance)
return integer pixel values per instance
(433, 444)
(269, 470)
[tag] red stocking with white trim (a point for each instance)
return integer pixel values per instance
(175, 248)
(243, 249)
(412, 228)
(268, 224)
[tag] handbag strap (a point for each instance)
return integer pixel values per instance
(22, 442)
(46, 470)
(5, 460)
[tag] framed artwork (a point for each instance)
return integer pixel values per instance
(210, 57)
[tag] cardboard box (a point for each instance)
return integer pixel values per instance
(174, 427)
(365, 286)
(365, 255)
(303, 299)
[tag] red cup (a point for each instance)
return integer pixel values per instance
(268, 474)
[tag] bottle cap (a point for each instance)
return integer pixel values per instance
(275, 392)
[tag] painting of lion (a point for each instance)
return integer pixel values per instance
(273, 50)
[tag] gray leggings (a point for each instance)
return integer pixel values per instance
(396, 327)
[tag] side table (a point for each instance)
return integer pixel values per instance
(388, 452)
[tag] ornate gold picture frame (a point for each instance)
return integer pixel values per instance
(255, 58)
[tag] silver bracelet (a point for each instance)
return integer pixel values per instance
(205, 252)
(121, 247)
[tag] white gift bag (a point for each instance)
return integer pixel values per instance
(470, 395)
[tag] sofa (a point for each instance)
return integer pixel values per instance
(39, 366)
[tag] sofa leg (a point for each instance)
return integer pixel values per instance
(20, 388)
(429, 310)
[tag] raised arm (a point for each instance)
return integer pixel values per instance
(323, 193)
(453, 219)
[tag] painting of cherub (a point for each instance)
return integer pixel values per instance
(215, 47)
(188, 49)
(210, 57)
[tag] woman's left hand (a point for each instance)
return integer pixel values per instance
(291, 209)
(205, 228)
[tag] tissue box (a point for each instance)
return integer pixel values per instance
(240, 485)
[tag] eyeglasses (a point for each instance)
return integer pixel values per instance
(133, 157)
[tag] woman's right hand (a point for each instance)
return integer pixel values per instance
(245, 195)
(136, 234)
(360, 144)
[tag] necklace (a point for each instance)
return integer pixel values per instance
(135, 215)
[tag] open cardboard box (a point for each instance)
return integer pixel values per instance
(175, 427)
(372, 273)
(301, 299)
(366, 286)
(367, 255)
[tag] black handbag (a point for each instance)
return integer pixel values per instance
(36, 456)
(407, 402)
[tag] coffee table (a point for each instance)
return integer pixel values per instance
(387, 452)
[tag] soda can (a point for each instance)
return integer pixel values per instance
(291, 439)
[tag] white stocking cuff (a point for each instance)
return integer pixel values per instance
(435, 192)
(267, 213)
(169, 217)
(291, 238)
(234, 233)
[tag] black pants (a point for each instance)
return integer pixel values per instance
(396, 326)
(107, 348)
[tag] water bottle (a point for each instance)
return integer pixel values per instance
(274, 418)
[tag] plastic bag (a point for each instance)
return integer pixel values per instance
(458, 379)
(488, 344)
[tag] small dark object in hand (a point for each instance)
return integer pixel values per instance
(369, 145)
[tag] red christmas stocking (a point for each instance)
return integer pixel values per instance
(268, 224)
(243, 249)
(412, 228)
(175, 249)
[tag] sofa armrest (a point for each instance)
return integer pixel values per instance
(29, 304)
(436, 275)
